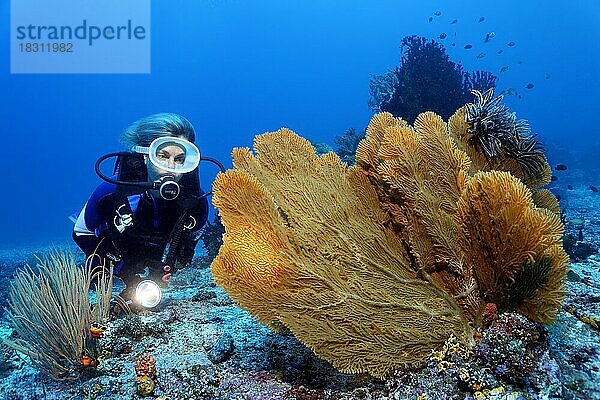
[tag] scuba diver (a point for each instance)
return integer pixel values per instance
(149, 215)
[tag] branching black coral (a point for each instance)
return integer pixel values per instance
(479, 80)
(425, 80)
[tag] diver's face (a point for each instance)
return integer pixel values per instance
(171, 156)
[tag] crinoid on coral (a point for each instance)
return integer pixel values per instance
(502, 141)
(375, 265)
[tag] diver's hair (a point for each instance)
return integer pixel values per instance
(142, 132)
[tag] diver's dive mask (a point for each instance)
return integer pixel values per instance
(170, 156)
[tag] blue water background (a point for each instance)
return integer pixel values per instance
(240, 68)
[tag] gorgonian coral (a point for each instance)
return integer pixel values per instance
(375, 265)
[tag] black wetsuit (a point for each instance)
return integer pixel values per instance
(142, 243)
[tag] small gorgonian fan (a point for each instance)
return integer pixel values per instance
(496, 132)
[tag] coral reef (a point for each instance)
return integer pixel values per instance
(578, 250)
(490, 314)
(347, 144)
(267, 365)
(375, 265)
(145, 372)
(425, 80)
(146, 366)
(511, 348)
(212, 237)
(591, 320)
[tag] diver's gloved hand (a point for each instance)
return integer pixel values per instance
(159, 272)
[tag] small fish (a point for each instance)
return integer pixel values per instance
(519, 96)
(468, 46)
(519, 62)
(570, 187)
(593, 188)
(453, 44)
(500, 51)
(560, 167)
(443, 35)
(557, 197)
(453, 21)
(430, 19)
(529, 86)
(481, 19)
(480, 55)
(511, 44)
(554, 178)
(547, 76)
(511, 91)
(489, 36)
(504, 69)
(437, 13)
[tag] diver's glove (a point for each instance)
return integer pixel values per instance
(159, 272)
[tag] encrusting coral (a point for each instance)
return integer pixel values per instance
(145, 371)
(375, 265)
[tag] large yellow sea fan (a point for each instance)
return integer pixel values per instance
(422, 171)
(366, 153)
(250, 259)
(503, 231)
(545, 199)
(244, 244)
(345, 285)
